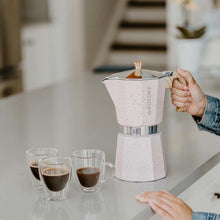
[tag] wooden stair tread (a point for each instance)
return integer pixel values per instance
(120, 68)
(147, 3)
(138, 47)
(112, 68)
(143, 25)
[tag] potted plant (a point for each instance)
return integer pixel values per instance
(190, 39)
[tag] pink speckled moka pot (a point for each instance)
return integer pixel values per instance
(139, 110)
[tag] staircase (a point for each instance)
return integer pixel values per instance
(141, 35)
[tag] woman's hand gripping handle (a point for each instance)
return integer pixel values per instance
(186, 94)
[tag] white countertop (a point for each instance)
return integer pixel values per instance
(78, 113)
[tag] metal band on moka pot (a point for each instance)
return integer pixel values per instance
(142, 131)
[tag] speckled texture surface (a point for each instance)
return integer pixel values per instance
(140, 158)
(137, 103)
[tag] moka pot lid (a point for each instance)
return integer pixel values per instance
(146, 75)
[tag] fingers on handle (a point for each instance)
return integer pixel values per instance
(181, 99)
(186, 75)
(181, 109)
(180, 104)
(180, 93)
(179, 85)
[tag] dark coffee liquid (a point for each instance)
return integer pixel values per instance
(55, 178)
(34, 169)
(88, 176)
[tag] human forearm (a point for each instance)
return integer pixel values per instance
(205, 216)
(210, 120)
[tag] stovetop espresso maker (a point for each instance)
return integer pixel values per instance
(139, 102)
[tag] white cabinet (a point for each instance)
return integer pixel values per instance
(39, 56)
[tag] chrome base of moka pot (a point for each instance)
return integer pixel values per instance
(143, 131)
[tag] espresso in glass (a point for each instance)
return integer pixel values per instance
(55, 174)
(89, 169)
(32, 158)
(55, 178)
(35, 170)
(88, 176)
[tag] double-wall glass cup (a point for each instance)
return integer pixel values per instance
(32, 158)
(55, 174)
(89, 168)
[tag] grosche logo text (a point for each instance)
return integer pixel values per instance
(149, 95)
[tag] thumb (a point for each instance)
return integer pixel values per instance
(187, 76)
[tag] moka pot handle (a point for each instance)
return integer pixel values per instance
(169, 84)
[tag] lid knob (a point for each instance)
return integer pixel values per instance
(137, 73)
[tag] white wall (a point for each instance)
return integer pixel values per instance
(38, 61)
(68, 44)
(98, 14)
(174, 18)
(80, 27)
(54, 50)
(67, 16)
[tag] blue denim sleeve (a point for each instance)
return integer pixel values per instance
(205, 216)
(211, 118)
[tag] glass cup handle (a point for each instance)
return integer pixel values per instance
(112, 167)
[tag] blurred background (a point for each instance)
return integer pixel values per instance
(46, 41)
